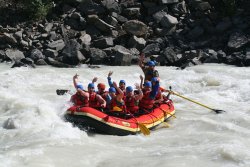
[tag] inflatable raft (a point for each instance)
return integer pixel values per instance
(100, 122)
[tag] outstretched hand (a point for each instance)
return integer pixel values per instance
(75, 76)
(94, 79)
(110, 73)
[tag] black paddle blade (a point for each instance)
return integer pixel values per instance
(218, 111)
(61, 91)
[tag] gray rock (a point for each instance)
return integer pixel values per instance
(18, 35)
(36, 54)
(48, 27)
(97, 56)
(100, 24)
(28, 61)
(58, 45)
(138, 43)
(71, 53)
(237, 40)
(168, 21)
(135, 27)
(131, 12)
(170, 55)
(111, 20)
(111, 6)
(203, 6)
(122, 56)
(90, 8)
(151, 49)
(247, 58)
(56, 63)
(15, 55)
(7, 38)
(52, 36)
(24, 43)
(2, 55)
(119, 18)
(41, 62)
(85, 39)
(167, 1)
(50, 53)
(159, 15)
(103, 43)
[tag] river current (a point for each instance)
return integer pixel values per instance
(33, 132)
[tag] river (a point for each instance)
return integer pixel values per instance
(33, 132)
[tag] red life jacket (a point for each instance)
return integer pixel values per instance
(146, 102)
(79, 100)
(103, 94)
(131, 104)
(115, 103)
(93, 102)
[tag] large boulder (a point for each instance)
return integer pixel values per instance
(97, 56)
(135, 27)
(71, 53)
(14, 55)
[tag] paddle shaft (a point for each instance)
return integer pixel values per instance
(174, 93)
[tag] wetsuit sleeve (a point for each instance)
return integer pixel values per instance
(154, 91)
(110, 82)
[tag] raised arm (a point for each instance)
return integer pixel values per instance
(75, 80)
(141, 84)
(83, 93)
(140, 95)
(141, 59)
(109, 79)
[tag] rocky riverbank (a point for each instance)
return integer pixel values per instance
(173, 32)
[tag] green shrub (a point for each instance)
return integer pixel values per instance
(37, 9)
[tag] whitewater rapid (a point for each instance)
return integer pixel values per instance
(33, 132)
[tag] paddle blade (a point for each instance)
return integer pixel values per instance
(218, 111)
(115, 108)
(144, 129)
(61, 91)
(166, 124)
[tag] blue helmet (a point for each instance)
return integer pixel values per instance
(148, 84)
(112, 90)
(79, 86)
(151, 63)
(129, 89)
(122, 81)
(91, 85)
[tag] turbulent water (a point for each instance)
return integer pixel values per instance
(33, 132)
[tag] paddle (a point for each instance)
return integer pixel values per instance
(61, 91)
(141, 126)
(215, 110)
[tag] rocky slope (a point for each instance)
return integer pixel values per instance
(172, 32)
